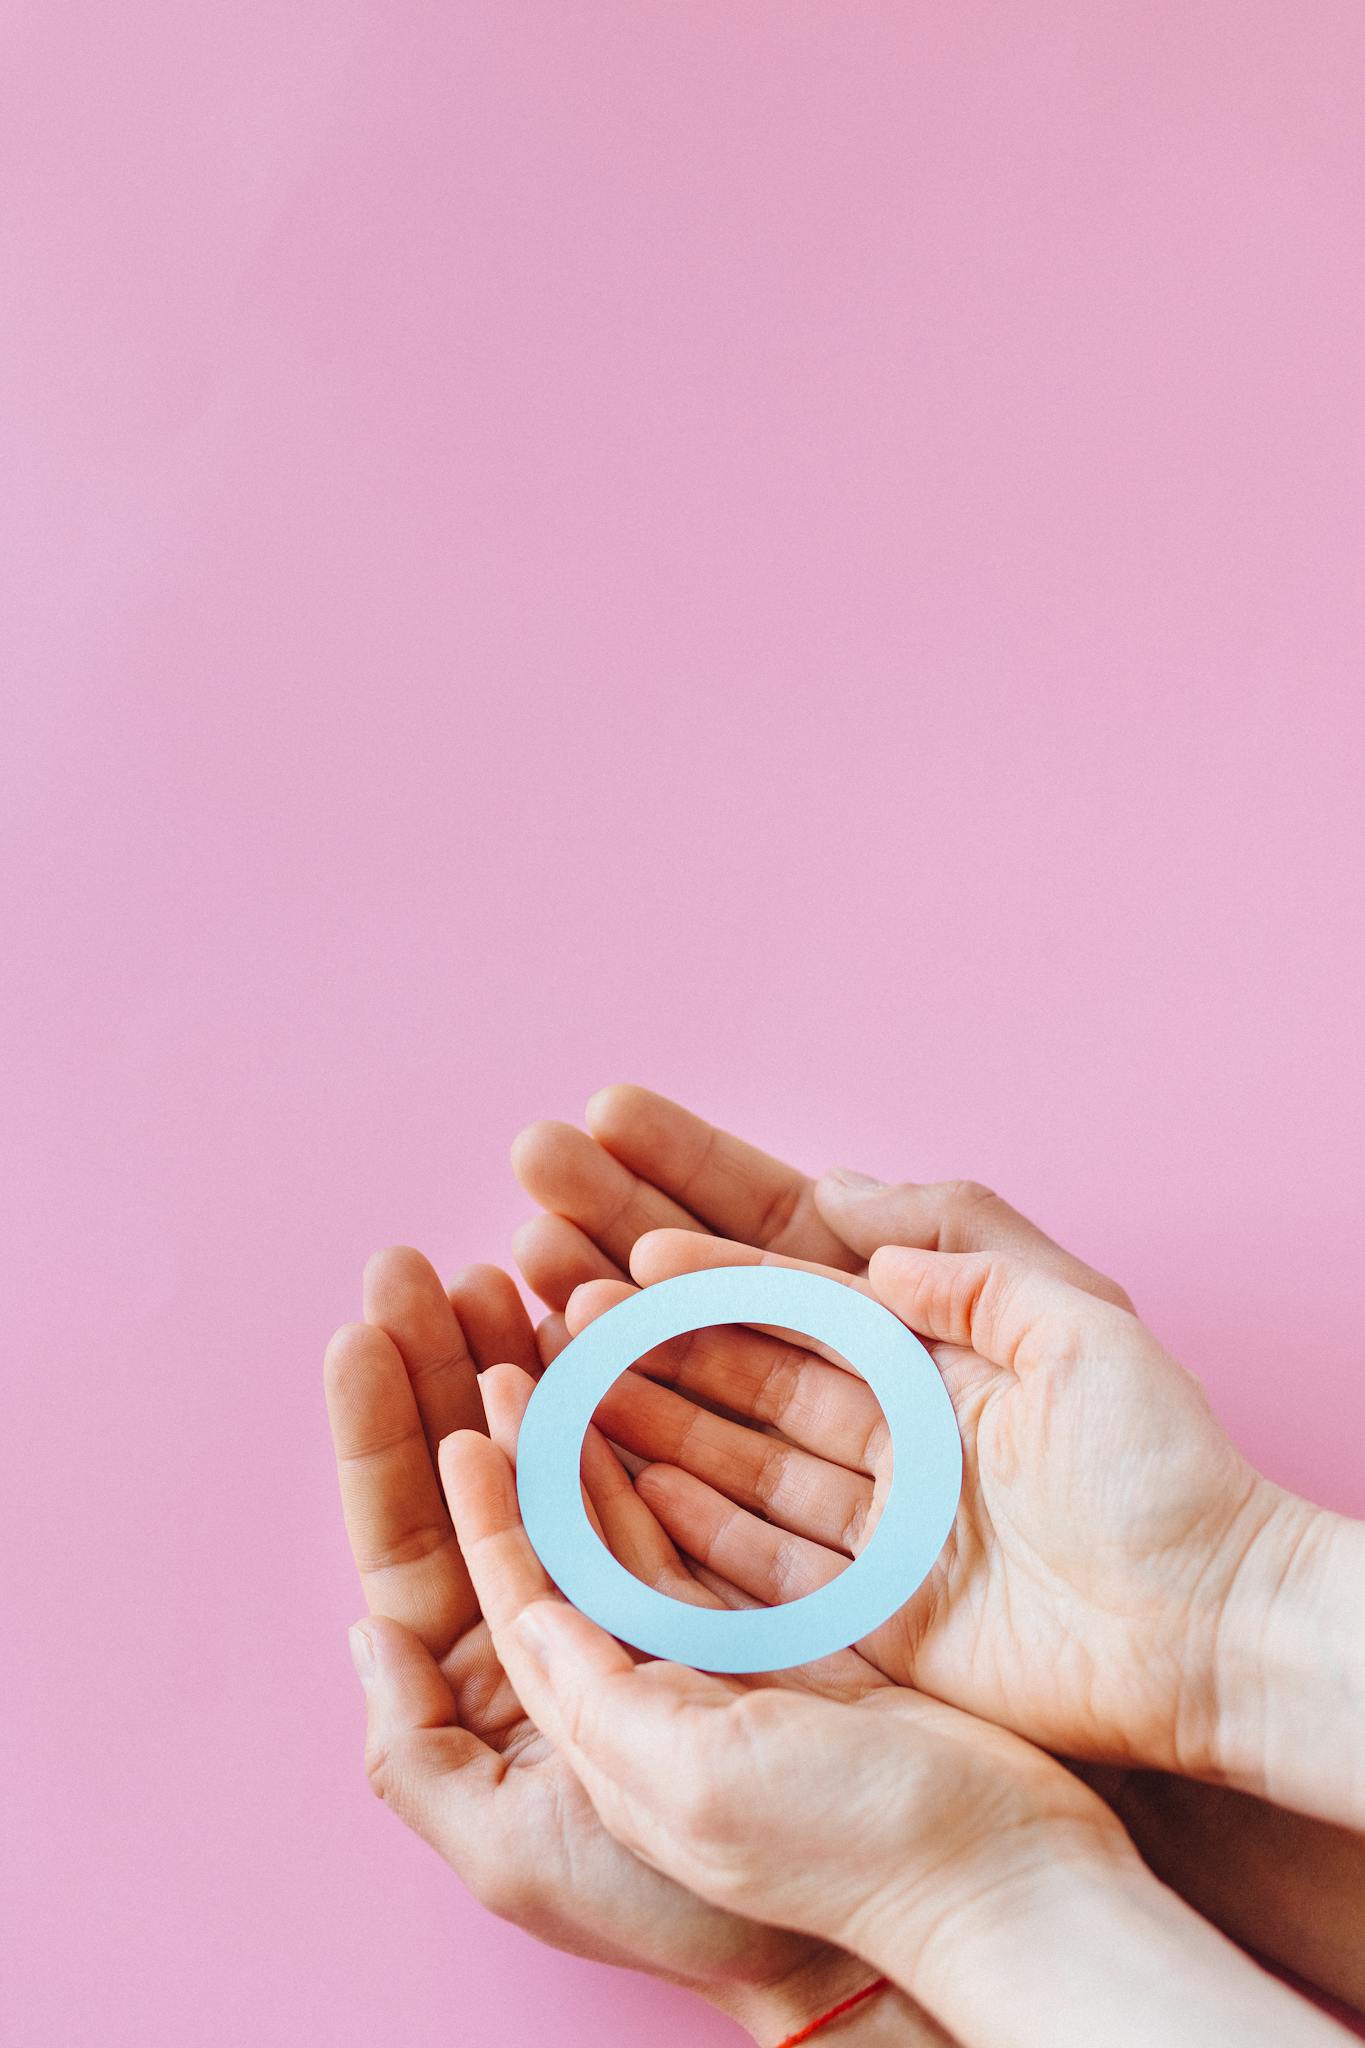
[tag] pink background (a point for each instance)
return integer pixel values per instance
(809, 555)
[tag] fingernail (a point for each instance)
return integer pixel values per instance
(362, 1651)
(531, 1635)
(847, 1177)
(548, 1632)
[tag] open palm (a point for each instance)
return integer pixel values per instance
(1105, 1518)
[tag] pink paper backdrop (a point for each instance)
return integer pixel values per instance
(808, 555)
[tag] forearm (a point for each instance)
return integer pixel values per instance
(1109, 1957)
(1290, 1669)
(1290, 1887)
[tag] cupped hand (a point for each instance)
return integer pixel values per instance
(828, 1815)
(982, 1877)
(449, 1745)
(1111, 1548)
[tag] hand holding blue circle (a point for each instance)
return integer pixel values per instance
(926, 1476)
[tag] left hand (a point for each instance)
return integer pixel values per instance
(449, 1744)
(1112, 1550)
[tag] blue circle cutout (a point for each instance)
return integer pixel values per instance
(926, 1475)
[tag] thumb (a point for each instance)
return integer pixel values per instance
(1010, 1312)
(865, 1213)
(437, 1776)
(405, 1698)
(947, 1216)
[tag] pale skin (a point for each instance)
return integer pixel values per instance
(987, 1883)
(1081, 1650)
(449, 1745)
(946, 1810)
(470, 1771)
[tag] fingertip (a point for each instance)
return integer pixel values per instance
(484, 1295)
(405, 1298)
(602, 1102)
(361, 1647)
(398, 1268)
(528, 1241)
(523, 1145)
(838, 1209)
(612, 1107)
(865, 1213)
(591, 1299)
(481, 1274)
(342, 1341)
(651, 1482)
(552, 1334)
(462, 1451)
(399, 1256)
(506, 1391)
(893, 1266)
(565, 1647)
(845, 1183)
(376, 1638)
(505, 1377)
(655, 1254)
(531, 1145)
(404, 1687)
(351, 1348)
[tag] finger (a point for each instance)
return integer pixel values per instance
(551, 1336)
(593, 1299)
(493, 1317)
(947, 1216)
(729, 1185)
(416, 1753)
(595, 1684)
(1011, 1313)
(843, 1675)
(726, 1595)
(507, 1391)
(620, 1517)
(663, 1253)
(629, 1530)
(820, 1407)
(400, 1534)
(566, 1171)
(794, 1488)
(403, 1685)
(481, 1491)
(555, 1256)
(404, 1296)
(770, 1565)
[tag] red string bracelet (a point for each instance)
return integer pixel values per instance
(835, 2012)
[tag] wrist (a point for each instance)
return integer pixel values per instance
(772, 2014)
(1290, 1666)
(915, 1931)
(1098, 1951)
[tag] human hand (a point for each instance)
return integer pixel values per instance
(449, 1745)
(981, 1876)
(1108, 1585)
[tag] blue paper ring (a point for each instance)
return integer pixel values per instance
(915, 1521)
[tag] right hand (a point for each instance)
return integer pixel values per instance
(987, 1882)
